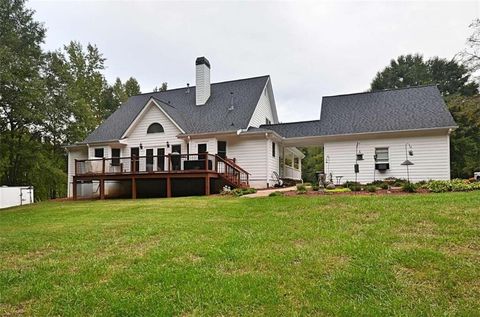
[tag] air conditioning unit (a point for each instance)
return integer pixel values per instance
(382, 167)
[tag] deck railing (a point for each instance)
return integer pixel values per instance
(170, 163)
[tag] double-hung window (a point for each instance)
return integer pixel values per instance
(381, 154)
(381, 159)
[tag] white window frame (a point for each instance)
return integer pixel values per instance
(382, 160)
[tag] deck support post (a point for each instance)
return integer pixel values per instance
(74, 189)
(169, 187)
(102, 188)
(134, 188)
(207, 185)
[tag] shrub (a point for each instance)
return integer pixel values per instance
(399, 182)
(338, 190)
(455, 185)
(347, 184)
(301, 187)
(239, 191)
(275, 194)
(383, 185)
(249, 190)
(371, 188)
(439, 186)
(472, 180)
(390, 180)
(355, 188)
(460, 185)
(409, 187)
(315, 188)
(475, 186)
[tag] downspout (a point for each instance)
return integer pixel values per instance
(266, 160)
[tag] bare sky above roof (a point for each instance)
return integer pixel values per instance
(310, 49)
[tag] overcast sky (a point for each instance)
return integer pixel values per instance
(310, 49)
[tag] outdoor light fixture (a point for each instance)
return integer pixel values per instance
(141, 146)
(168, 144)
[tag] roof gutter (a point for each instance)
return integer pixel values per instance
(393, 131)
(327, 136)
(205, 134)
(78, 144)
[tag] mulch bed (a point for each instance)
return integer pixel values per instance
(393, 191)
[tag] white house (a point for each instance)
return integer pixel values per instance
(194, 140)
(379, 131)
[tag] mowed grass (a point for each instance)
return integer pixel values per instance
(277, 256)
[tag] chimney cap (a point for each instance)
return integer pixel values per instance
(202, 61)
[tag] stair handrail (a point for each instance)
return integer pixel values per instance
(232, 164)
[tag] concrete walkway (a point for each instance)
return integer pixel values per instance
(266, 192)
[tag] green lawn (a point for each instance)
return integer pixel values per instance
(278, 256)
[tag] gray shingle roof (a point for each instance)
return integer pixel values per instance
(388, 110)
(401, 109)
(214, 116)
(295, 129)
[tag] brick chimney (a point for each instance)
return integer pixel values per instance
(202, 78)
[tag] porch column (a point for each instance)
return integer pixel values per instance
(134, 188)
(102, 188)
(169, 187)
(207, 185)
(74, 188)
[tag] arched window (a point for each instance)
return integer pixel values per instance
(155, 128)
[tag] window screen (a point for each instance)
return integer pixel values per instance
(222, 149)
(99, 152)
(115, 157)
(202, 148)
(381, 154)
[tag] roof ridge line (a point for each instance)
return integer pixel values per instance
(165, 102)
(379, 91)
(220, 82)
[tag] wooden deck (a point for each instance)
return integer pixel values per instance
(166, 167)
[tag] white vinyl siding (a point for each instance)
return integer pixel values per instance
(273, 162)
(262, 111)
(251, 155)
(211, 145)
(431, 158)
(79, 154)
(153, 140)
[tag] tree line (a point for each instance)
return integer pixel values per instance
(456, 81)
(47, 99)
(52, 98)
